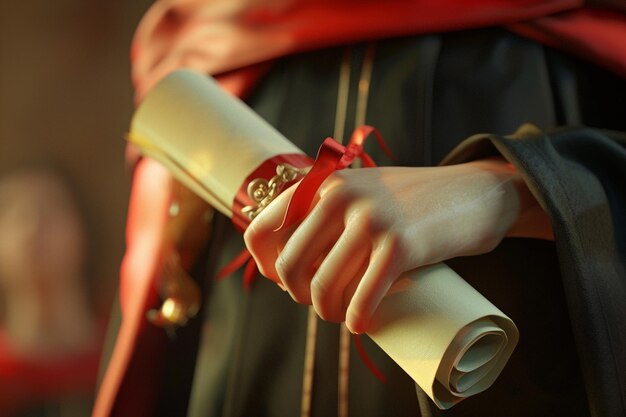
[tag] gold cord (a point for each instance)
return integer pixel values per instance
(311, 337)
(343, 88)
(344, 334)
(309, 363)
(344, 371)
(364, 85)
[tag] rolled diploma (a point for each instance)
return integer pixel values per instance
(450, 339)
(209, 140)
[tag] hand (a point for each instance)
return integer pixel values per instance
(368, 226)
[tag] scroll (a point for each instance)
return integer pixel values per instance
(450, 339)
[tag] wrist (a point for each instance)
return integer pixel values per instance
(530, 221)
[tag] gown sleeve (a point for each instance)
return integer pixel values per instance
(578, 175)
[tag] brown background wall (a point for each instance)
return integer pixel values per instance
(66, 99)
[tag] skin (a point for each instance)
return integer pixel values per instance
(368, 226)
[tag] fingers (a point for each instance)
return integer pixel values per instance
(307, 247)
(345, 263)
(376, 281)
(356, 260)
(350, 289)
(261, 239)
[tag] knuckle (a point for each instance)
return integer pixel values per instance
(394, 246)
(322, 296)
(337, 178)
(339, 186)
(336, 196)
(320, 289)
(377, 223)
(252, 236)
(371, 215)
(284, 268)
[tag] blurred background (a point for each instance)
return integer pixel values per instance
(65, 105)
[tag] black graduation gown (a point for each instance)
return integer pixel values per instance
(244, 355)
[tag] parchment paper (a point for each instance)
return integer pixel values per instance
(450, 339)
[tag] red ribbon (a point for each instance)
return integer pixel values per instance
(249, 272)
(366, 360)
(331, 156)
(266, 170)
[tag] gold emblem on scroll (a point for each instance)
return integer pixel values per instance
(263, 192)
